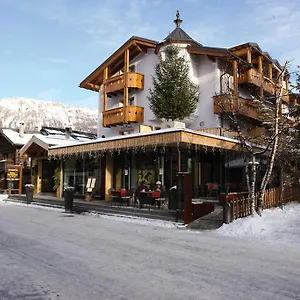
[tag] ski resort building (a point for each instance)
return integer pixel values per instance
(133, 145)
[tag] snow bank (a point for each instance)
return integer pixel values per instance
(275, 225)
(3, 197)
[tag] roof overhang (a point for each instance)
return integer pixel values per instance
(210, 51)
(168, 137)
(35, 147)
(115, 62)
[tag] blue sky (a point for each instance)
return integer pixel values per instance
(49, 46)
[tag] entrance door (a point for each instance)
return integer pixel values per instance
(47, 176)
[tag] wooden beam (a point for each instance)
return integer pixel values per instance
(138, 48)
(109, 175)
(241, 51)
(114, 69)
(249, 61)
(105, 76)
(21, 180)
(235, 81)
(249, 57)
(126, 70)
(270, 71)
(260, 64)
(94, 86)
(118, 53)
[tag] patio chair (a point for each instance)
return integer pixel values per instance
(124, 196)
(212, 190)
(115, 197)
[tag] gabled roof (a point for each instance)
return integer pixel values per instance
(136, 46)
(13, 137)
(39, 143)
(255, 47)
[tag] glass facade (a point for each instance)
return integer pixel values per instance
(78, 170)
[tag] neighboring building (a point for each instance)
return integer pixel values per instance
(11, 141)
(43, 169)
(133, 145)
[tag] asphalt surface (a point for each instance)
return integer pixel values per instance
(47, 254)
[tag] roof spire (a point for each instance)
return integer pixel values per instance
(177, 21)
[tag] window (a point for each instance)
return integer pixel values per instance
(131, 101)
(132, 68)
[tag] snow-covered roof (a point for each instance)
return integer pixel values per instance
(155, 132)
(62, 132)
(14, 138)
(45, 142)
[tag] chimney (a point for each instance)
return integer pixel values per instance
(21, 129)
(68, 131)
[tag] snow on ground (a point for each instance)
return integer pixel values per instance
(275, 225)
(115, 217)
(5, 201)
(136, 220)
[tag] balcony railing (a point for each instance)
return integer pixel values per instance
(116, 83)
(223, 103)
(113, 117)
(252, 76)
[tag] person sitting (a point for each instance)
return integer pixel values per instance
(141, 188)
(158, 187)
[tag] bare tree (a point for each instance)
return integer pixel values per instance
(269, 113)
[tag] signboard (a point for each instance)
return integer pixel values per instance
(13, 174)
(90, 185)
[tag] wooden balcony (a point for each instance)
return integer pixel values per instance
(114, 117)
(253, 77)
(116, 83)
(243, 106)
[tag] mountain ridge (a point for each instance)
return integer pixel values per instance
(37, 113)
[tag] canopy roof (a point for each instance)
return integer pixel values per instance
(164, 137)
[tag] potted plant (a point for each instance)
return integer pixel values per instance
(56, 178)
(69, 198)
(29, 189)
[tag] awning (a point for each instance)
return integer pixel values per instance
(165, 137)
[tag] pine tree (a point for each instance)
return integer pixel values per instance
(174, 96)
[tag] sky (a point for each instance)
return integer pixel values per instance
(47, 47)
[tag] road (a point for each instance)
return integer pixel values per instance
(46, 254)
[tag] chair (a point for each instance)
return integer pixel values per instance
(212, 190)
(115, 197)
(124, 196)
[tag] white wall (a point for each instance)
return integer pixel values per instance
(203, 71)
(208, 78)
(145, 65)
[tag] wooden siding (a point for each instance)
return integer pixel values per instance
(113, 117)
(116, 83)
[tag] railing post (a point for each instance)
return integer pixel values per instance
(227, 213)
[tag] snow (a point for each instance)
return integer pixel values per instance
(3, 197)
(36, 113)
(136, 220)
(49, 255)
(5, 201)
(275, 226)
(155, 132)
(15, 138)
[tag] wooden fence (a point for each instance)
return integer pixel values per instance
(240, 207)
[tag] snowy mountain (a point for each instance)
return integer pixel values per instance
(36, 113)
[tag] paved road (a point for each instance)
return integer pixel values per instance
(47, 254)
